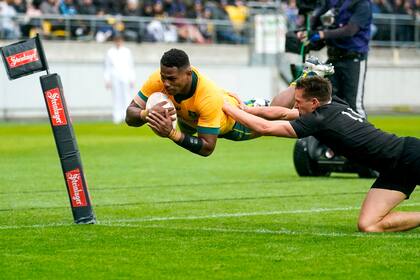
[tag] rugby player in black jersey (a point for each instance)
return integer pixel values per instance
(334, 123)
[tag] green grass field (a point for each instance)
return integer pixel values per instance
(164, 213)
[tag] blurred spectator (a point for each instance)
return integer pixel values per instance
(132, 9)
(202, 16)
(19, 6)
(31, 25)
(194, 9)
(110, 7)
(109, 27)
(382, 31)
(147, 10)
(105, 29)
(119, 77)
(77, 28)
(159, 31)
(67, 8)
(83, 30)
(235, 11)
(174, 8)
(238, 14)
(384, 6)
(416, 9)
(158, 10)
(224, 33)
(187, 31)
(292, 15)
(8, 27)
(133, 31)
(87, 7)
(398, 7)
(49, 7)
(402, 32)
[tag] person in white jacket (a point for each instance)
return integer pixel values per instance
(119, 77)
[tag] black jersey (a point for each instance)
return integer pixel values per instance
(349, 134)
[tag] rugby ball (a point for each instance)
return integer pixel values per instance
(158, 97)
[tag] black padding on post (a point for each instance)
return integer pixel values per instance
(68, 150)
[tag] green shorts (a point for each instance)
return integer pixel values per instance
(239, 132)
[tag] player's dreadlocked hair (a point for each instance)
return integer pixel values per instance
(175, 58)
(315, 86)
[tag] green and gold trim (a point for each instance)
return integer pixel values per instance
(142, 96)
(208, 130)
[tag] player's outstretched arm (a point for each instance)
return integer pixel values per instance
(240, 102)
(273, 112)
(161, 124)
(260, 125)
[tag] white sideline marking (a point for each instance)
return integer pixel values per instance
(273, 232)
(36, 226)
(228, 215)
(231, 215)
(213, 216)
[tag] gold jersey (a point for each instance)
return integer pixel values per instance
(201, 109)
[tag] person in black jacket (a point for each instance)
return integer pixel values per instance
(345, 27)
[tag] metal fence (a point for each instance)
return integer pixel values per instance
(392, 30)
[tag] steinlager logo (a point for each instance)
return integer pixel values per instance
(55, 106)
(22, 58)
(75, 185)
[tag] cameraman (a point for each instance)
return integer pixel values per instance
(344, 26)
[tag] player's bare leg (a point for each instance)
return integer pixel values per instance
(285, 98)
(376, 215)
(312, 66)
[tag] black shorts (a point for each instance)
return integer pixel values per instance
(406, 175)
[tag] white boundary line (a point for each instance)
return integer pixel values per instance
(119, 222)
(3, 227)
(232, 230)
(228, 215)
(232, 215)
(273, 232)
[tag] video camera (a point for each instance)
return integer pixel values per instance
(293, 44)
(312, 158)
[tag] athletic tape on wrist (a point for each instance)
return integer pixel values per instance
(175, 135)
(143, 114)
